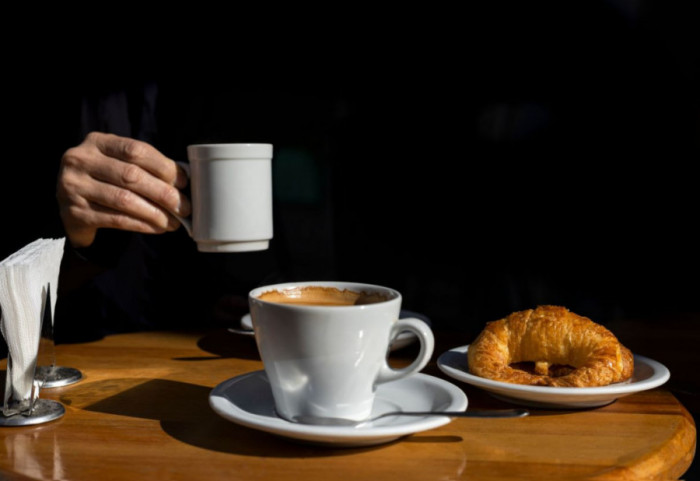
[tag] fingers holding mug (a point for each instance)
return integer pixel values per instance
(115, 182)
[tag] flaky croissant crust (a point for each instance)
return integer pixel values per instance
(550, 335)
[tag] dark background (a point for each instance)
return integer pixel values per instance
(480, 160)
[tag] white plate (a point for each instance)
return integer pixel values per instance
(247, 400)
(401, 341)
(648, 374)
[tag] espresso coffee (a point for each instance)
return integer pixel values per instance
(323, 353)
(321, 296)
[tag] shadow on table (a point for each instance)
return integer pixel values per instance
(184, 414)
(224, 344)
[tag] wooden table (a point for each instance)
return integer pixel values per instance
(142, 413)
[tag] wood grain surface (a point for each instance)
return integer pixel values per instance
(141, 412)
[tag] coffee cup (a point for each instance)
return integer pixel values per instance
(324, 346)
(231, 193)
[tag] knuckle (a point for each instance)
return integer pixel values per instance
(123, 199)
(72, 157)
(72, 211)
(97, 137)
(76, 216)
(95, 134)
(134, 149)
(67, 188)
(79, 214)
(93, 137)
(131, 174)
(116, 221)
(66, 195)
(67, 173)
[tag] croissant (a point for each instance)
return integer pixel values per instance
(549, 346)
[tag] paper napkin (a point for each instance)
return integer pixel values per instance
(26, 278)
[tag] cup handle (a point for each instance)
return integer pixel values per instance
(186, 221)
(427, 345)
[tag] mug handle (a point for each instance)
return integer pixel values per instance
(427, 345)
(186, 221)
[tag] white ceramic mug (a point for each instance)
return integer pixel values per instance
(231, 190)
(325, 361)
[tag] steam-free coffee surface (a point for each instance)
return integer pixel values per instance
(321, 296)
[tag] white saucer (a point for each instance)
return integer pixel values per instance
(648, 374)
(245, 328)
(247, 400)
(401, 341)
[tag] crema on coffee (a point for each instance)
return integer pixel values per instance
(321, 296)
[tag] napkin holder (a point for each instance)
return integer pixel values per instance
(27, 300)
(25, 411)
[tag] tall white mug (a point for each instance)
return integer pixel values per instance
(231, 190)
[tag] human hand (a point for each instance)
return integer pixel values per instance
(116, 182)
